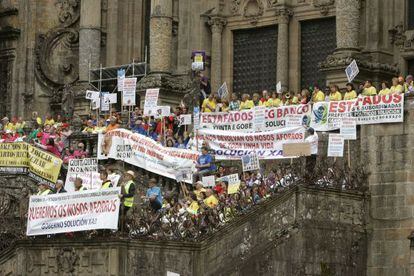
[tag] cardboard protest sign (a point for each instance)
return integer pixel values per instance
(348, 128)
(196, 116)
(163, 111)
(223, 92)
(151, 100)
(296, 149)
(105, 102)
(81, 168)
(279, 87)
(91, 95)
(208, 181)
(129, 91)
(185, 119)
(71, 212)
(120, 79)
(352, 71)
(250, 162)
(335, 145)
(184, 174)
(259, 118)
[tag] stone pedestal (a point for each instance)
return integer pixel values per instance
(217, 24)
(282, 72)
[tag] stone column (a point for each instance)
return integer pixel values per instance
(347, 24)
(161, 36)
(217, 24)
(89, 37)
(282, 71)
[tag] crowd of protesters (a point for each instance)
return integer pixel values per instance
(190, 210)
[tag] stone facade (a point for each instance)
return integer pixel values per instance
(305, 231)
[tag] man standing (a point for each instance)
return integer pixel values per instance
(205, 163)
(154, 195)
(59, 187)
(313, 140)
(78, 185)
(106, 183)
(128, 190)
(44, 189)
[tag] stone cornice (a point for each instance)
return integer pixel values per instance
(284, 13)
(9, 33)
(8, 11)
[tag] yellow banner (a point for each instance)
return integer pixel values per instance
(25, 158)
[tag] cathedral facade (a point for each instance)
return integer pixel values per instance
(48, 48)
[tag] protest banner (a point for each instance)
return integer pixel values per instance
(120, 79)
(250, 162)
(348, 128)
(113, 98)
(185, 119)
(233, 145)
(352, 71)
(43, 166)
(72, 212)
(296, 149)
(151, 100)
(22, 158)
(83, 169)
(184, 174)
(144, 152)
(275, 118)
(259, 118)
(128, 93)
(14, 158)
(208, 181)
(378, 109)
(91, 95)
(335, 145)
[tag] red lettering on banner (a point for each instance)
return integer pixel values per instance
(333, 106)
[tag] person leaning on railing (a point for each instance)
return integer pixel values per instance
(317, 95)
(334, 94)
(350, 92)
(369, 90)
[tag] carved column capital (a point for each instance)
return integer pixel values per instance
(217, 24)
(284, 14)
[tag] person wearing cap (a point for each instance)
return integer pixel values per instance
(79, 185)
(154, 195)
(59, 187)
(106, 183)
(128, 190)
(317, 95)
(44, 189)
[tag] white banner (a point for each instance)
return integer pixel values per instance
(71, 212)
(83, 169)
(143, 152)
(335, 145)
(231, 145)
(275, 118)
(129, 90)
(328, 116)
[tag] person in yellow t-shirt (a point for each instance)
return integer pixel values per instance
(396, 87)
(369, 90)
(193, 206)
(334, 94)
(275, 100)
(256, 100)
(385, 90)
(209, 104)
(350, 92)
(211, 200)
(246, 103)
(317, 95)
(49, 120)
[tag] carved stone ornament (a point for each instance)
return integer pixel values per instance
(403, 39)
(235, 7)
(67, 260)
(5, 203)
(323, 5)
(252, 10)
(57, 58)
(272, 3)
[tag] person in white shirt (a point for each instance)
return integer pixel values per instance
(313, 139)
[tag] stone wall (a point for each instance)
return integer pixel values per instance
(304, 231)
(388, 151)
